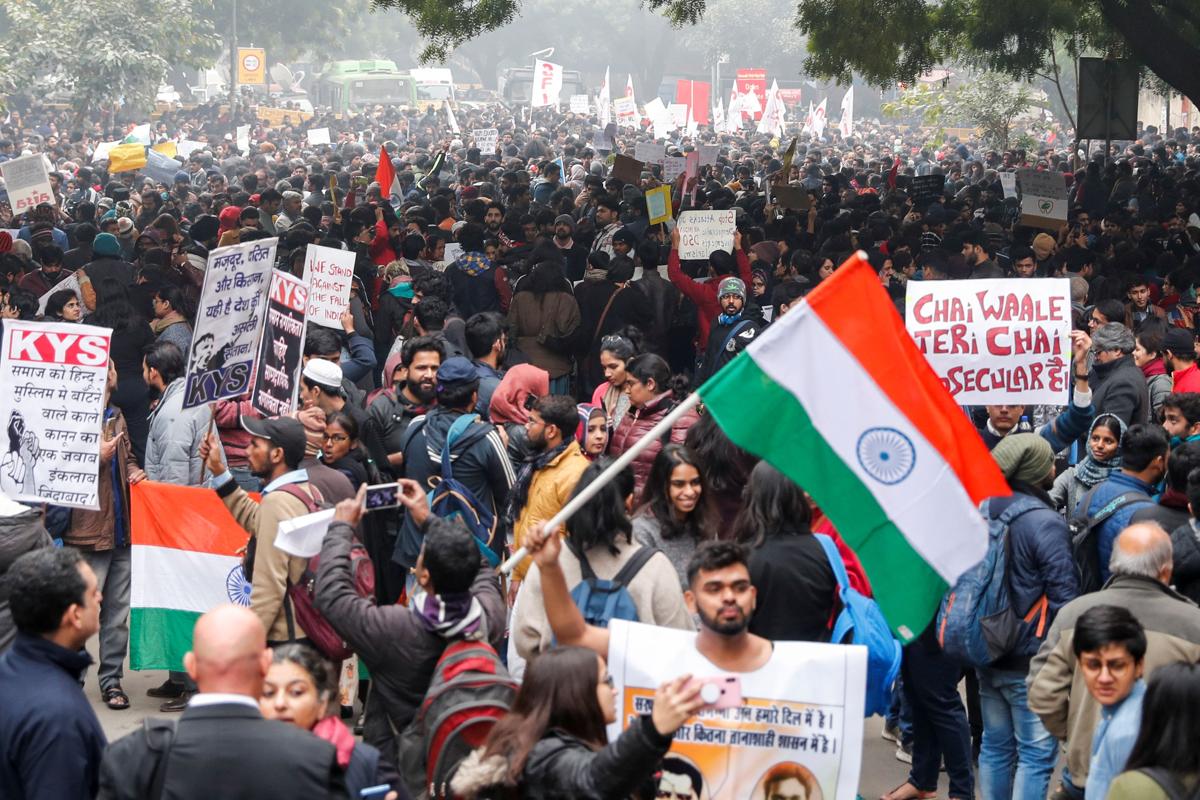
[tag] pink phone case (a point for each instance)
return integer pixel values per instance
(730, 687)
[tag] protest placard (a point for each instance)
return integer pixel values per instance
(709, 153)
(27, 182)
(452, 253)
(995, 341)
(282, 345)
(926, 189)
(798, 726)
(627, 169)
(650, 152)
(52, 405)
(658, 114)
(701, 232)
(242, 137)
(672, 168)
(1043, 198)
(126, 157)
(328, 273)
(658, 204)
(679, 115)
(70, 282)
(188, 146)
(580, 104)
(486, 139)
(1008, 183)
(626, 111)
(602, 138)
(161, 168)
(229, 322)
(318, 136)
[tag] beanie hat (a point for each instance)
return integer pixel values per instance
(565, 219)
(5, 241)
(1024, 457)
(731, 285)
(106, 244)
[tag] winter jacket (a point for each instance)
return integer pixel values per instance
(227, 416)
(1106, 534)
(392, 413)
(393, 644)
(549, 490)
(636, 423)
(21, 532)
(628, 307)
(1040, 564)
(473, 293)
(663, 297)
(704, 294)
(178, 333)
(1158, 386)
(726, 341)
(561, 767)
(796, 588)
(107, 527)
(1057, 693)
(1119, 388)
(173, 446)
(545, 327)
(1185, 547)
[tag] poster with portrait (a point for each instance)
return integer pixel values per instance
(276, 381)
(229, 322)
(52, 407)
(796, 732)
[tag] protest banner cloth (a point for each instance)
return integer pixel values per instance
(126, 157)
(168, 149)
(279, 117)
(995, 341)
(328, 273)
(701, 232)
(52, 405)
(103, 149)
(626, 169)
(27, 182)
(694, 94)
(658, 204)
(281, 348)
(70, 282)
(926, 189)
(547, 84)
(800, 716)
(232, 307)
(486, 139)
(161, 168)
(318, 136)
(579, 104)
(650, 152)
(1043, 198)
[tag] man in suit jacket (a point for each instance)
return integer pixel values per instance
(222, 746)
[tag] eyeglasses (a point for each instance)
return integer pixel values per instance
(336, 437)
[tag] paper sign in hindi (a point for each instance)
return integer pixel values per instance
(650, 152)
(27, 182)
(328, 273)
(318, 136)
(70, 282)
(52, 407)
(486, 139)
(797, 732)
(672, 168)
(658, 204)
(1008, 183)
(995, 341)
(229, 322)
(702, 232)
(1043, 198)
(626, 111)
(579, 104)
(276, 382)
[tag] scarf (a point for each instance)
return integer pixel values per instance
(334, 731)
(449, 615)
(592, 274)
(1155, 367)
(474, 264)
(728, 319)
(402, 290)
(520, 490)
(160, 325)
(1091, 471)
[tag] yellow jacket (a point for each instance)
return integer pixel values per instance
(549, 491)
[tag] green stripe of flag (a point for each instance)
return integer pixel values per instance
(159, 637)
(765, 419)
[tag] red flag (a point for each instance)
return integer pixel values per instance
(892, 174)
(385, 173)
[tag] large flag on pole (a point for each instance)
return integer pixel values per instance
(851, 411)
(772, 118)
(385, 176)
(846, 125)
(629, 86)
(819, 119)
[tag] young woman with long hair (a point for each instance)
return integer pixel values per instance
(675, 512)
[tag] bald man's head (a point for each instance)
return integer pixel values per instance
(229, 652)
(1143, 549)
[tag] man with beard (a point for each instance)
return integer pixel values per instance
(574, 253)
(976, 250)
(735, 327)
(487, 340)
(395, 407)
(492, 218)
(275, 451)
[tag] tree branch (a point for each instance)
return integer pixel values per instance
(1156, 43)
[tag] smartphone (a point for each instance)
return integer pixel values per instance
(383, 495)
(721, 691)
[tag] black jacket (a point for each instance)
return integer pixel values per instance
(1119, 387)
(726, 341)
(1185, 545)
(797, 590)
(225, 750)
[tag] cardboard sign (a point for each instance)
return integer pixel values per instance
(318, 136)
(995, 341)
(580, 104)
(276, 382)
(796, 732)
(52, 404)
(627, 169)
(229, 322)
(788, 196)
(658, 204)
(926, 189)
(486, 139)
(328, 273)
(27, 182)
(1043, 198)
(281, 117)
(650, 152)
(702, 232)
(672, 168)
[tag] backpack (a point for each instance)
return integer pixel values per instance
(1084, 547)
(299, 602)
(976, 623)
(862, 622)
(1169, 782)
(470, 691)
(600, 600)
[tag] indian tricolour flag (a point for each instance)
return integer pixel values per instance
(837, 397)
(184, 562)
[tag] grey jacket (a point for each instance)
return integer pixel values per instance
(173, 446)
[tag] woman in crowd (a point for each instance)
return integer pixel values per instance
(797, 590)
(1163, 765)
(1102, 459)
(592, 433)
(171, 314)
(725, 466)
(553, 743)
(1148, 354)
(509, 409)
(545, 318)
(600, 536)
(653, 394)
(675, 511)
(63, 306)
(340, 448)
(615, 352)
(300, 689)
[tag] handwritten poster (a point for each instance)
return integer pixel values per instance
(27, 182)
(52, 408)
(229, 322)
(328, 273)
(486, 139)
(318, 136)
(995, 341)
(701, 232)
(797, 732)
(579, 104)
(279, 354)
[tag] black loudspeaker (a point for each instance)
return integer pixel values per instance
(1108, 99)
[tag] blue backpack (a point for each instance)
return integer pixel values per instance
(861, 622)
(976, 624)
(600, 600)
(451, 499)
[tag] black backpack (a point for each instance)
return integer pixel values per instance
(1169, 782)
(1084, 547)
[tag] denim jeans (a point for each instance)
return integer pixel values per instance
(940, 730)
(899, 714)
(1018, 753)
(112, 568)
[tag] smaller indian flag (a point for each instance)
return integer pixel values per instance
(838, 398)
(184, 562)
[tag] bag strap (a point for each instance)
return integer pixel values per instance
(160, 738)
(835, 561)
(312, 499)
(1115, 505)
(585, 569)
(457, 429)
(1167, 780)
(604, 314)
(729, 336)
(634, 565)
